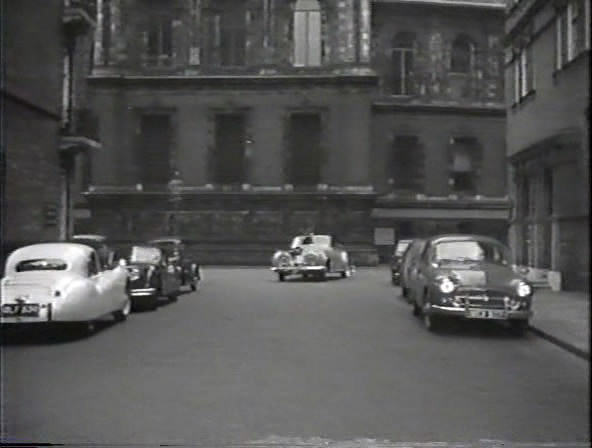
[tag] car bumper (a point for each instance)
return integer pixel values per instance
(463, 313)
(298, 269)
(142, 292)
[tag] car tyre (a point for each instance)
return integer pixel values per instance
(281, 276)
(431, 322)
(416, 310)
(519, 327)
(121, 315)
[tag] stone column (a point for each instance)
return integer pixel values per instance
(195, 40)
(99, 59)
(364, 31)
(346, 31)
(117, 37)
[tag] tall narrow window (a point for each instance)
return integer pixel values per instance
(304, 149)
(307, 33)
(402, 57)
(225, 26)
(464, 157)
(154, 148)
(159, 41)
(463, 53)
(407, 163)
(229, 151)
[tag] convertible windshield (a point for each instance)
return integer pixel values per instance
(401, 247)
(470, 251)
(318, 240)
(140, 254)
(42, 264)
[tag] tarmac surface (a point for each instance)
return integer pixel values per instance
(249, 361)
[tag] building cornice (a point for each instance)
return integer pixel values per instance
(476, 109)
(232, 81)
(492, 5)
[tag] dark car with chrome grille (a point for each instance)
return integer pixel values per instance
(150, 276)
(469, 277)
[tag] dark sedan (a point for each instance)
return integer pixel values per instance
(469, 277)
(150, 277)
(189, 271)
(396, 259)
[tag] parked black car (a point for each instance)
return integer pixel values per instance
(107, 255)
(409, 262)
(396, 258)
(189, 271)
(150, 276)
(469, 277)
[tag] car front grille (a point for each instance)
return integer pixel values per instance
(482, 299)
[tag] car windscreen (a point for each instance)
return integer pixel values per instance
(402, 247)
(317, 240)
(142, 254)
(471, 251)
(42, 264)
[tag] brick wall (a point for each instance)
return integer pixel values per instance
(32, 58)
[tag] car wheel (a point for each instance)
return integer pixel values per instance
(416, 310)
(322, 276)
(153, 303)
(172, 297)
(430, 322)
(519, 327)
(281, 276)
(194, 284)
(121, 315)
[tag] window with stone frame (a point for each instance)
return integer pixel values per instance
(158, 40)
(225, 26)
(402, 56)
(572, 31)
(465, 155)
(307, 33)
(462, 55)
(153, 148)
(407, 164)
(228, 156)
(304, 149)
(523, 73)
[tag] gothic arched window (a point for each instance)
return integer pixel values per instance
(402, 63)
(307, 33)
(463, 53)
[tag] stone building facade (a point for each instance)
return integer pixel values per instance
(438, 119)
(41, 133)
(280, 117)
(547, 89)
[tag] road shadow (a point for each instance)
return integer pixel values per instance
(50, 334)
(300, 279)
(474, 329)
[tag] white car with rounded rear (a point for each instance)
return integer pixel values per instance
(61, 283)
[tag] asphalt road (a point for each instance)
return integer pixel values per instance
(247, 358)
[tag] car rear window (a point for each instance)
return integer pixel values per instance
(42, 264)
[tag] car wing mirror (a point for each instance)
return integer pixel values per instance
(122, 262)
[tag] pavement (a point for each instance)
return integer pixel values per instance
(563, 318)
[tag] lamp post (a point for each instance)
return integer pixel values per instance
(174, 187)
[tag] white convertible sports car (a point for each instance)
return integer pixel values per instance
(312, 256)
(61, 283)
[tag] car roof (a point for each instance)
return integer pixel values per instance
(62, 250)
(93, 237)
(463, 237)
(166, 240)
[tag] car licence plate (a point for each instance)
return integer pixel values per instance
(485, 314)
(27, 310)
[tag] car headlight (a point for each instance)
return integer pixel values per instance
(446, 285)
(524, 289)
